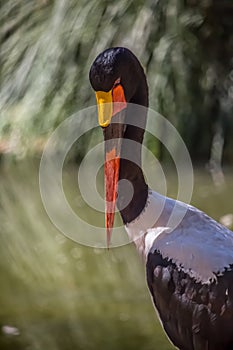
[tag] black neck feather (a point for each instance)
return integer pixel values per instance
(130, 166)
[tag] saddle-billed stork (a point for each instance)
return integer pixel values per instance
(189, 268)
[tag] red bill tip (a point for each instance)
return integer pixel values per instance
(111, 170)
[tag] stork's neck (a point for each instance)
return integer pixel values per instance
(135, 187)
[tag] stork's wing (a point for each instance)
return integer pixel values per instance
(199, 245)
(189, 273)
(195, 316)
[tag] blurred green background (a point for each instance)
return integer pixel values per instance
(55, 293)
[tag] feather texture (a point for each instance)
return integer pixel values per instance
(189, 266)
(198, 245)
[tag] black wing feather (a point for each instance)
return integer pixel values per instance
(195, 316)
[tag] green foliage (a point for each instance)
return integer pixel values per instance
(185, 46)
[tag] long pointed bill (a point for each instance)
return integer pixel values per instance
(113, 134)
(111, 175)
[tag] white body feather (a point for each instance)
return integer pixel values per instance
(197, 244)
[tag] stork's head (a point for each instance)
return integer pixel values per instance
(117, 78)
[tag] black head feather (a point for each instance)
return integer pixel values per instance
(114, 63)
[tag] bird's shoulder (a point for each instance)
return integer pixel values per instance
(198, 245)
